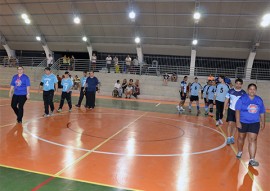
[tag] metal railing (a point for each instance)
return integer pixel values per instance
(21, 61)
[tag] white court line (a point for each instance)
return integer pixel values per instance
(158, 104)
(140, 155)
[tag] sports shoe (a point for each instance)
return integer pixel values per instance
(46, 115)
(206, 113)
(232, 140)
(229, 141)
(77, 105)
(19, 121)
(252, 162)
(217, 123)
(239, 154)
(70, 110)
(59, 110)
(51, 113)
(220, 122)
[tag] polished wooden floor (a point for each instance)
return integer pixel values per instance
(122, 148)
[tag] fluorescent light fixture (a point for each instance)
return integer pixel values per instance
(38, 38)
(197, 15)
(27, 21)
(24, 16)
(265, 20)
(84, 38)
(132, 15)
(77, 20)
(137, 40)
(195, 42)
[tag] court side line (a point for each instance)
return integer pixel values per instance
(66, 178)
(242, 162)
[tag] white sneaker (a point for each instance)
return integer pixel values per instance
(217, 123)
(178, 107)
(220, 122)
(45, 115)
(59, 110)
(70, 110)
(182, 109)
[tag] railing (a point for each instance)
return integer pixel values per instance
(21, 61)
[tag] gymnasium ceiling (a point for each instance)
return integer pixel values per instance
(227, 28)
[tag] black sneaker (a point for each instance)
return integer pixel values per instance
(252, 162)
(78, 105)
(18, 121)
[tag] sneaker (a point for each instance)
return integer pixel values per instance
(232, 140)
(220, 122)
(217, 123)
(70, 110)
(18, 121)
(51, 113)
(252, 162)
(59, 110)
(229, 141)
(46, 115)
(178, 108)
(182, 109)
(239, 154)
(78, 105)
(206, 113)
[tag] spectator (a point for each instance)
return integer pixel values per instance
(116, 65)
(165, 79)
(65, 63)
(129, 90)
(128, 63)
(136, 91)
(72, 62)
(76, 82)
(49, 61)
(136, 66)
(174, 77)
(118, 87)
(124, 85)
(108, 63)
(93, 62)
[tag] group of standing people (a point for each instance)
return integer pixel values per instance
(245, 110)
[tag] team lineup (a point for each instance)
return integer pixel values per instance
(245, 110)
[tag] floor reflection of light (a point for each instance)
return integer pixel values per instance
(183, 169)
(69, 158)
(130, 147)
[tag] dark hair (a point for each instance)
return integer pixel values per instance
(239, 80)
(222, 77)
(20, 67)
(185, 76)
(195, 78)
(85, 71)
(117, 81)
(48, 68)
(66, 72)
(249, 85)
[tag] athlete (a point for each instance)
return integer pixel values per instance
(183, 94)
(210, 94)
(82, 92)
(20, 84)
(231, 98)
(219, 99)
(50, 87)
(195, 88)
(67, 84)
(250, 118)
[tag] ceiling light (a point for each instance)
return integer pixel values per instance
(265, 20)
(137, 40)
(197, 15)
(195, 42)
(132, 15)
(77, 20)
(38, 38)
(84, 38)
(27, 21)
(24, 16)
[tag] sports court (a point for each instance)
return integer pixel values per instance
(131, 142)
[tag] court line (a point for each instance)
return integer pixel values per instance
(66, 178)
(140, 155)
(241, 161)
(158, 104)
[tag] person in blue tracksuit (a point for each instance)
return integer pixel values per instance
(67, 84)
(250, 118)
(91, 85)
(82, 92)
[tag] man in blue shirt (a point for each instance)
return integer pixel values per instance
(210, 94)
(20, 84)
(82, 92)
(67, 84)
(183, 94)
(91, 85)
(250, 118)
(49, 83)
(231, 98)
(195, 88)
(221, 92)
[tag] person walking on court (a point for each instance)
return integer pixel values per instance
(91, 84)
(250, 118)
(183, 94)
(82, 92)
(67, 84)
(20, 87)
(219, 99)
(49, 83)
(231, 98)
(204, 95)
(195, 88)
(210, 94)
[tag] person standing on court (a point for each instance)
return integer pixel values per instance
(183, 94)
(219, 99)
(91, 84)
(250, 118)
(67, 84)
(231, 98)
(109, 63)
(49, 83)
(82, 92)
(20, 84)
(195, 88)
